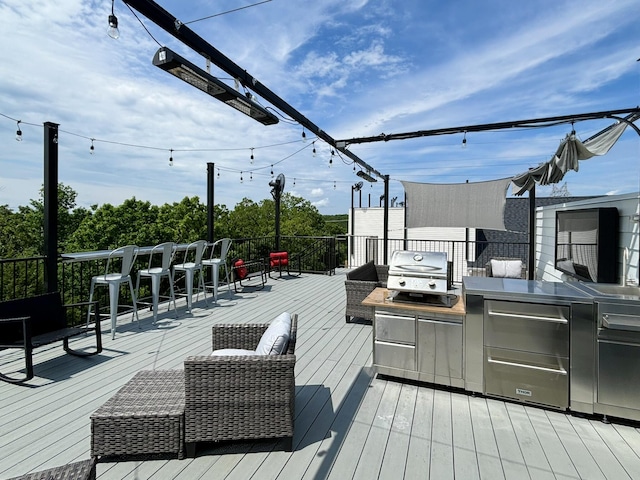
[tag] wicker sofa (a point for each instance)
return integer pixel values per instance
(216, 398)
(361, 282)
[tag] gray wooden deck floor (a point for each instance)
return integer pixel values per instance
(349, 424)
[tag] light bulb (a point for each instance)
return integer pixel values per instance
(19, 133)
(252, 155)
(113, 31)
(464, 140)
(218, 173)
(241, 180)
(304, 135)
(271, 171)
(171, 159)
(91, 148)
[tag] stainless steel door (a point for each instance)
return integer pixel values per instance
(528, 327)
(527, 377)
(440, 347)
(618, 366)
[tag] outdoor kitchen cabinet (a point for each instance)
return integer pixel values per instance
(418, 342)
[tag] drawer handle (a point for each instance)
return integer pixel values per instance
(529, 317)
(559, 371)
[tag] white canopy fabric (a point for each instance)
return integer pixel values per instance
(567, 157)
(472, 205)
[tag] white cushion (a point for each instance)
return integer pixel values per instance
(229, 352)
(275, 339)
(506, 268)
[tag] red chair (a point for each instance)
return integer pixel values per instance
(278, 260)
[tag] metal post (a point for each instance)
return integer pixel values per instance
(51, 206)
(532, 233)
(386, 219)
(210, 202)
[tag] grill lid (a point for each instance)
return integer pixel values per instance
(418, 264)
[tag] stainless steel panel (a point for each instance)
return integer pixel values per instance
(440, 347)
(527, 377)
(473, 343)
(394, 355)
(529, 327)
(582, 357)
(619, 372)
(395, 328)
(416, 284)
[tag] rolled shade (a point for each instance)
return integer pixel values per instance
(568, 156)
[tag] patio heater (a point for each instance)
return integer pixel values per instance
(276, 192)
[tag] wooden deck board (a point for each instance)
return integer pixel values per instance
(349, 424)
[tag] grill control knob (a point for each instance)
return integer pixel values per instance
(402, 283)
(432, 283)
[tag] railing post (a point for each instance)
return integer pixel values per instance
(51, 205)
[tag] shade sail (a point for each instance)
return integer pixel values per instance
(568, 156)
(472, 205)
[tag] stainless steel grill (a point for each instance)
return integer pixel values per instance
(420, 277)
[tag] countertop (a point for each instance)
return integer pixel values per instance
(379, 298)
(515, 288)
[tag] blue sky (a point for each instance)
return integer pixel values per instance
(355, 68)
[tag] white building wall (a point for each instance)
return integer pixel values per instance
(628, 212)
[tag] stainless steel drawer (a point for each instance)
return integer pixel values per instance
(395, 328)
(527, 377)
(529, 327)
(440, 347)
(394, 355)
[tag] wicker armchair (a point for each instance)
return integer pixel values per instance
(361, 282)
(240, 397)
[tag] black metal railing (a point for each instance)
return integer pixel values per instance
(468, 258)
(24, 277)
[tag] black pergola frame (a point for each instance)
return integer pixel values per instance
(175, 27)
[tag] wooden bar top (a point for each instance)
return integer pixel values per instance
(378, 298)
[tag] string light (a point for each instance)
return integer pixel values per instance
(334, 184)
(331, 159)
(304, 135)
(464, 140)
(251, 154)
(171, 159)
(241, 180)
(19, 133)
(271, 170)
(218, 174)
(314, 148)
(251, 176)
(92, 148)
(294, 181)
(113, 31)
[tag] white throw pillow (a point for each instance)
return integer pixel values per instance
(229, 352)
(513, 269)
(275, 339)
(506, 268)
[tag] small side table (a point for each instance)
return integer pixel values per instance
(146, 416)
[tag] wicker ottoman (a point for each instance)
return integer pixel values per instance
(145, 417)
(84, 470)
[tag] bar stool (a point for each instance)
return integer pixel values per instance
(165, 251)
(191, 268)
(217, 262)
(114, 280)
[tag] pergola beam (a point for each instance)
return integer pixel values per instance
(485, 127)
(173, 26)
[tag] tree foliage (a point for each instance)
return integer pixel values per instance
(141, 223)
